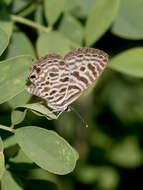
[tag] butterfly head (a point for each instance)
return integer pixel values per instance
(34, 73)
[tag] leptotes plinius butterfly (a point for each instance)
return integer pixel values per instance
(61, 80)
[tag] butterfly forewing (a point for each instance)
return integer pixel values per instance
(61, 81)
(85, 66)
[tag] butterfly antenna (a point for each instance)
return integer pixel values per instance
(79, 116)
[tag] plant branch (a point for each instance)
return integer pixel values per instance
(28, 10)
(30, 23)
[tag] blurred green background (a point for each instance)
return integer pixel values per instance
(111, 148)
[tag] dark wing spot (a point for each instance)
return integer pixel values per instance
(100, 56)
(60, 98)
(53, 92)
(62, 63)
(92, 69)
(63, 90)
(95, 55)
(46, 89)
(38, 69)
(74, 87)
(98, 68)
(64, 79)
(105, 60)
(50, 98)
(80, 78)
(53, 74)
(34, 67)
(47, 82)
(75, 73)
(80, 55)
(82, 68)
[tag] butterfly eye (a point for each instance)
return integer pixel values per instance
(32, 77)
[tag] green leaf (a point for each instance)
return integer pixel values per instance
(39, 17)
(53, 9)
(9, 142)
(13, 78)
(2, 163)
(47, 149)
(100, 19)
(17, 116)
(70, 26)
(20, 99)
(20, 162)
(4, 41)
(9, 182)
(20, 158)
(127, 153)
(1, 145)
(52, 42)
(19, 5)
(105, 176)
(7, 1)
(40, 110)
(40, 174)
(79, 8)
(129, 62)
(16, 48)
(86, 6)
(128, 23)
(6, 23)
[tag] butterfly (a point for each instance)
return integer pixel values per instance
(61, 80)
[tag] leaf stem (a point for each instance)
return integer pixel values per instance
(30, 23)
(6, 128)
(28, 10)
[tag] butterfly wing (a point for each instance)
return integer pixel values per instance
(52, 80)
(85, 66)
(61, 81)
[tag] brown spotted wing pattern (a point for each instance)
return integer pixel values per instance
(60, 81)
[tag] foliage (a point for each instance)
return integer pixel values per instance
(36, 148)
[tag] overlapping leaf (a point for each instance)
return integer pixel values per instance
(128, 23)
(13, 78)
(4, 41)
(70, 26)
(16, 48)
(10, 182)
(53, 42)
(53, 9)
(40, 110)
(129, 62)
(99, 19)
(47, 149)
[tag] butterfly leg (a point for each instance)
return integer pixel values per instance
(58, 111)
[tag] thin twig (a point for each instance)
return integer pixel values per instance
(30, 23)
(28, 10)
